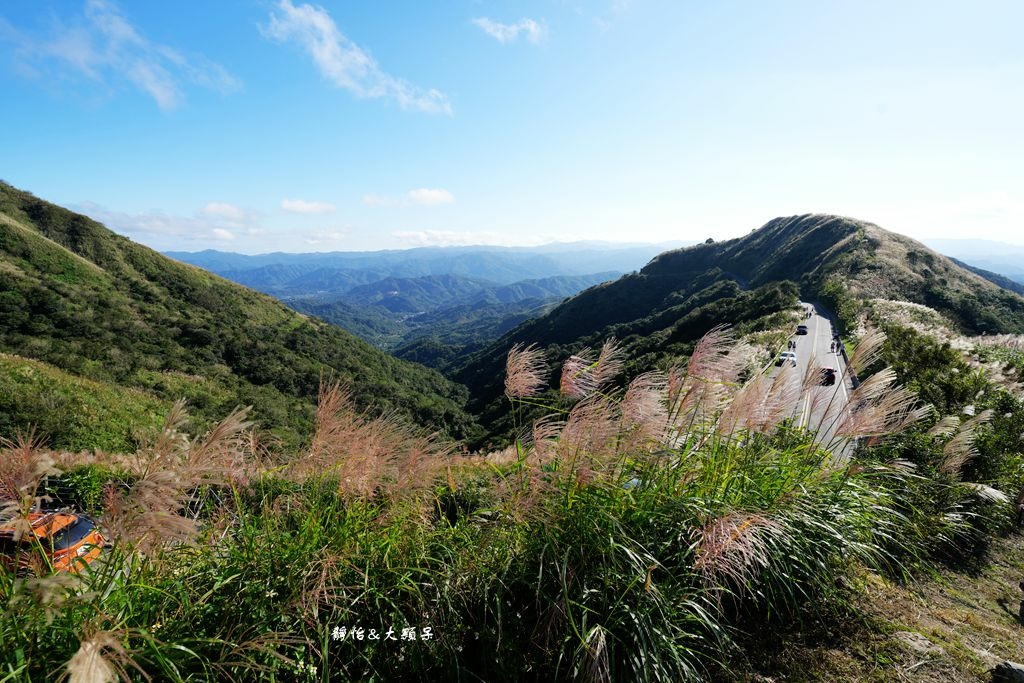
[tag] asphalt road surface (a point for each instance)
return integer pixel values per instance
(819, 407)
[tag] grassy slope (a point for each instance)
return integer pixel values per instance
(93, 303)
(951, 628)
(86, 414)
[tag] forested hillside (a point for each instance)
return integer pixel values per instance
(401, 315)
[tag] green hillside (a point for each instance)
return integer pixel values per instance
(835, 257)
(437, 318)
(657, 312)
(95, 304)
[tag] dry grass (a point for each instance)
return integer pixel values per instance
(102, 658)
(583, 376)
(368, 455)
(526, 371)
(879, 407)
(960, 450)
(24, 463)
(734, 548)
(168, 469)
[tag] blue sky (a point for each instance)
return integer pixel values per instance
(261, 125)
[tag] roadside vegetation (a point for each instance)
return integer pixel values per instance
(637, 532)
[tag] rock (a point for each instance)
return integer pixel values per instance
(919, 644)
(1008, 672)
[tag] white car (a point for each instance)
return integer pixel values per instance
(786, 357)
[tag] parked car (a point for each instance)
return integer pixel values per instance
(827, 376)
(801, 329)
(66, 541)
(786, 357)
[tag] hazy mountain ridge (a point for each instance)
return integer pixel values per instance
(996, 257)
(282, 273)
(412, 295)
(93, 303)
(995, 278)
(399, 297)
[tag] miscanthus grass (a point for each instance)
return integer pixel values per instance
(631, 535)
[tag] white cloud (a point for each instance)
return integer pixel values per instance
(304, 207)
(509, 33)
(106, 49)
(379, 200)
(345, 64)
(327, 237)
(427, 197)
(452, 238)
(419, 197)
(224, 210)
(216, 221)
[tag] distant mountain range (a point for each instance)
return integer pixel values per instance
(454, 310)
(283, 274)
(449, 299)
(995, 257)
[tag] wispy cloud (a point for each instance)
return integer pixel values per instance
(419, 197)
(218, 221)
(428, 197)
(453, 238)
(304, 207)
(333, 237)
(345, 64)
(104, 48)
(509, 33)
(223, 210)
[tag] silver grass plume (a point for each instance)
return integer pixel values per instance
(525, 371)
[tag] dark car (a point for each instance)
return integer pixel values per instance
(827, 376)
(801, 329)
